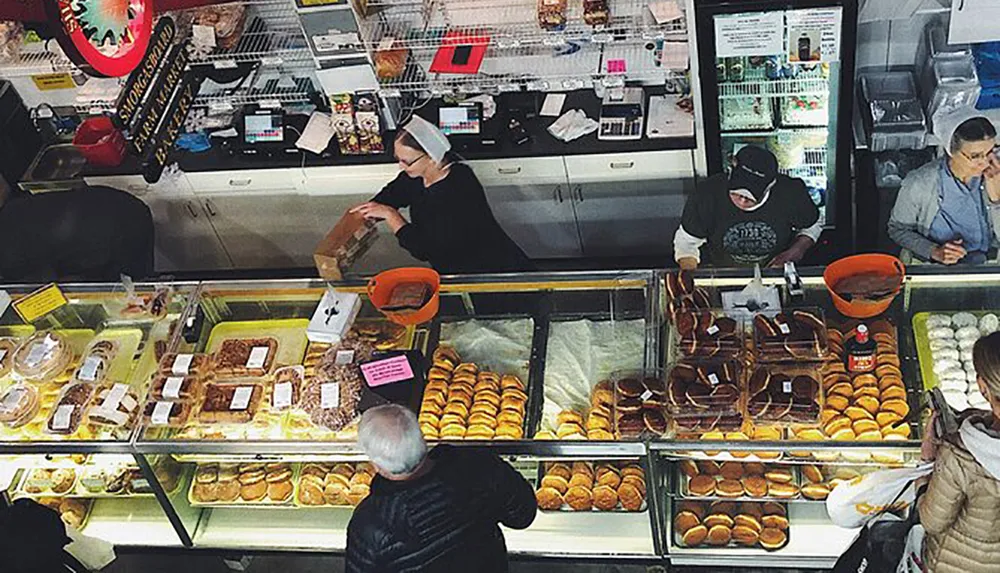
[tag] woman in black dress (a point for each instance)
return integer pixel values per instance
(451, 225)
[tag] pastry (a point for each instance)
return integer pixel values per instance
(227, 491)
(719, 535)
(779, 475)
(310, 493)
(230, 403)
(816, 491)
(558, 469)
(731, 470)
(630, 497)
(772, 539)
(357, 494)
(62, 480)
(779, 522)
(579, 498)
(609, 478)
(812, 474)
(556, 482)
(280, 491)
(782, 490)
(636, 482)
(745, 536)
(702, 485)
(205, 492)
(605, 498)
(585, 468)
(688, 468)
(748, 521)
(581, 480)
(254, 491)
(250, 357)
(755, 486)
(684, 521)
(729, 488)
(548, 498)
(694, 536)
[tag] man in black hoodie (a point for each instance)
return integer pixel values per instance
(432, 511)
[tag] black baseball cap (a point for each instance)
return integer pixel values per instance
(755, 170)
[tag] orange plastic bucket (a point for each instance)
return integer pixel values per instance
(380, 288)
(887, 265)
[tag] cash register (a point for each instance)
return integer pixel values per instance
(622, 114)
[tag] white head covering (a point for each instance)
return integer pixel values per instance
(429, 137)
(946, 124)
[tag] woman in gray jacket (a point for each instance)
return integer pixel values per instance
(948, 211)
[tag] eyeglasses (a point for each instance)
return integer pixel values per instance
(411, 162)
(979, 156)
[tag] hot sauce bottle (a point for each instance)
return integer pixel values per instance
(860, 351)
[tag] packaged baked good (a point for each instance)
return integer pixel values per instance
(794, 334)
(166, 414)
(113, 405)
(69, 409)
(96, 361)
(705, 395)
(226, 20)
(183, 364)
(785, 393)
(552, 14)
(596, 12)
(708, 334)
(230, 403)
(18, 405)
(639, 405)
(287, 387)
(175, 388)
(42, 356)
(390, 59)
(7, 347)
(245, 357)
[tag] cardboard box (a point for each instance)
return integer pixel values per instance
(350, 238)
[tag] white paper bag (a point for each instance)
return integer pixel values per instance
(854, 503)
(94, 554)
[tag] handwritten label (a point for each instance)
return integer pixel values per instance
(115, 397)
(182, 364)
(713, 379)
(258, 356)
(784, 328)
(282, 395)
(387, 371)
(329, 395)
(172, 387)
(88, 372)
(62, 417)
(787, 387)
(41, 302)
(241, 398)
(161, 413)
(344, 357)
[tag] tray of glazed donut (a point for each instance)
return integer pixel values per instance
(741, 481)
(591, 486)
(243, 485)
(731, 524)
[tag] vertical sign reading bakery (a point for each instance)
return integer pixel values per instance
(103, 37)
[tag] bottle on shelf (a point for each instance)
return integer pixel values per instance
(860, 351)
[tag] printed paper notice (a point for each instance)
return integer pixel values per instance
(282, 395)
(161, 413)
(329, 395)
(387, 371)
(813, 35)
(753, 34)
(258, 356)
(172, 387)
(241, 398)
(182, 364)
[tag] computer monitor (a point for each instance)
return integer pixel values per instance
(461, 120)
(263, 128)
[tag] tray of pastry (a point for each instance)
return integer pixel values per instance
(243, 485)
(462, 401)
(73, 511)
(720, 524)
(253, 348)
(341, 484)
(231, 403)
(739, 481)
(331, 388)
(601, 486)
(944, 343)
(745, 432)
(705, 395)
(785, 393)
(48, 481)
(384, 334)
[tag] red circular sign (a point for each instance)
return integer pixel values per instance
(103, 37)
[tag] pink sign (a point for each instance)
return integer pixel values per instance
(616, 66)
(387, 371)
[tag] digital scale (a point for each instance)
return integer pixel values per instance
(622, 115)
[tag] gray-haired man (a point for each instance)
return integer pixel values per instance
(436, 510)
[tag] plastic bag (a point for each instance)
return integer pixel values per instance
(855, 503)
(94, 554)
(913, 553)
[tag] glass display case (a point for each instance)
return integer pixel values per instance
(71, 385)
(593, 355)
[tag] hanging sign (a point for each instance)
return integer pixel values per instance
(749, 34)
(105, 38)
(813, 35)
(141, 79)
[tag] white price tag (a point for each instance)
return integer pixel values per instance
(646, 395)
(161, 413)
(712, 330)
(225, 65)
(713, 379)
(203, 36)
(269, 103)
(241, 398)
(258, 356)
(602, 38)
(115, 397)
(36, 354)
(282, 395)
(220, 107)
(182, 364)
(329, 395)
(172, 387)
(783, 327)
(273, 61)
(554, 40)
(344, 357)
(62, 417)
(507, 88)
(88, 372)
(787, 387)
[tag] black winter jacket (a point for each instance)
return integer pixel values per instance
(446, 520)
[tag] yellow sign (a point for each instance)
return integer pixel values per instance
(49, 82)
(39, 303)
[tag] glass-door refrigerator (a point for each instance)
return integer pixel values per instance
(779, 74)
